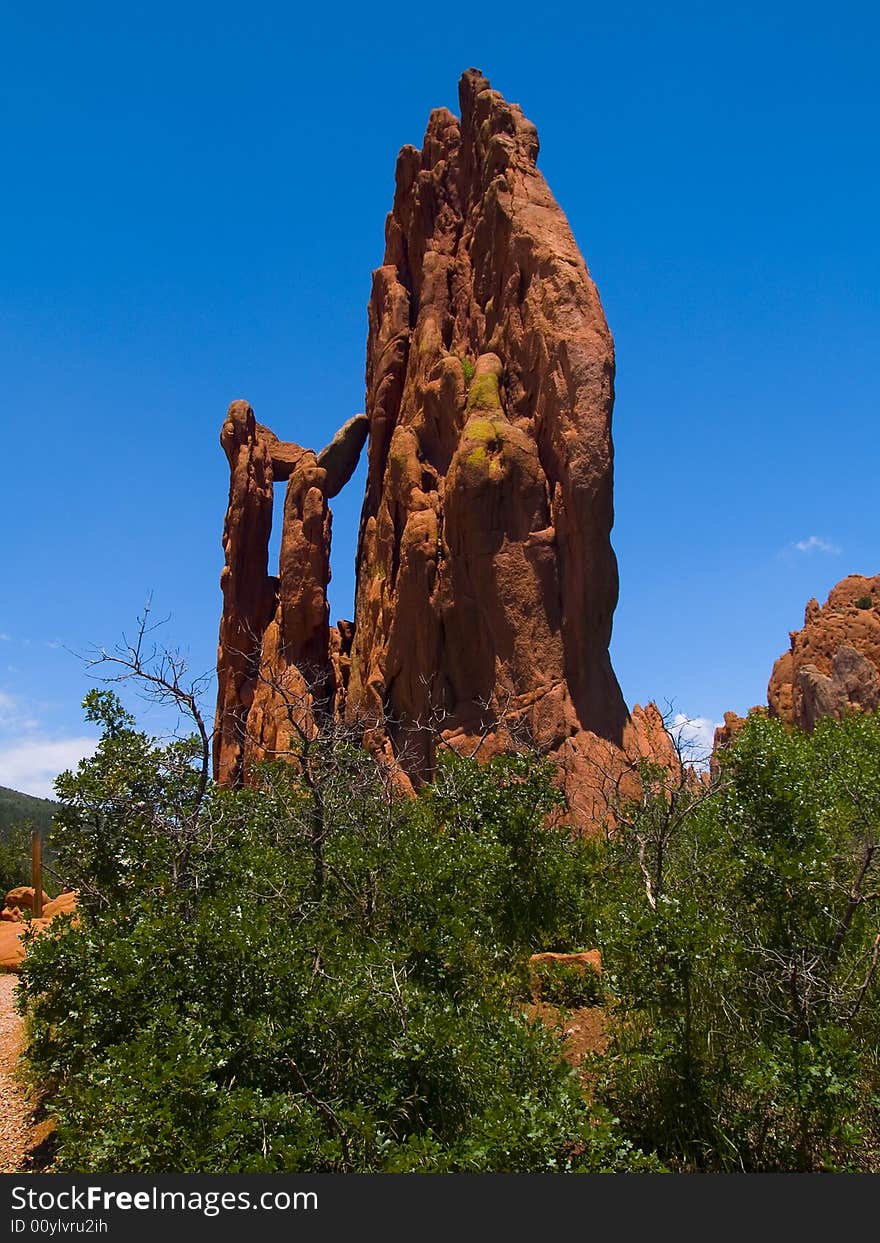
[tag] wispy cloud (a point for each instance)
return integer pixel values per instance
(816, 543)
(32, 766)
(32, 756)
(5, 638)
(695, 735)
(14, 715)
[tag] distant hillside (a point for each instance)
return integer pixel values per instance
(15, 808)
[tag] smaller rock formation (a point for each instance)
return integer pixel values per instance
(14, 927)
(22, 898)
(277, 653)
(833, 664)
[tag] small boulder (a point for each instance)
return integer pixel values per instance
(64, 904)
(23, 897)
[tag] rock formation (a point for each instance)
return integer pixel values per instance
(833, 663)
(274, 653)
(486, 581)
(14, 929)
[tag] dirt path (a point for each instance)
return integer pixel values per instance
(15, 1110)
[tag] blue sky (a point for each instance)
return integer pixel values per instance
(194, 200)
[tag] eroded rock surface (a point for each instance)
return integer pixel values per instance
(486, 579)
(833, 663)
(248, 591)
(274, 661)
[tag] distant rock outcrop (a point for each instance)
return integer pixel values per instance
(486, 581)
(833, 663)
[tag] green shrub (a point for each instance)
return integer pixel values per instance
(15, 858)
(313, 975)
(746, 1020)
(563, 984)
(864, 602)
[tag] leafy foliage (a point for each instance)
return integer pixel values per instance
(747, 1023)
(20, 814)
(317, 974)
(563, 984)
(226, 1004)
(15, 857)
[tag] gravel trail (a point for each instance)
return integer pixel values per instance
(15, 1110)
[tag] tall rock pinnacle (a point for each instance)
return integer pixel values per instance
(485, 569)
(486, 581)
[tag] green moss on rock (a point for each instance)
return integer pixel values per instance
(484, 393)
(485, 430)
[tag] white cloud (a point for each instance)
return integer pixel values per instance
(32, 765)
(696, 735)
(14, 716)
(5, 638)
(815, 543)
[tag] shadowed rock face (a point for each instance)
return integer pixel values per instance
(833, 664)
(485, 569)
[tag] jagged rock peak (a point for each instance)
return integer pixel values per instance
(277, 654)
(485, 572)
(833, 663)
(486, 581)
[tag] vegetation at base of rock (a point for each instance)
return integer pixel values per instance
(335, 977)
(309, 981)
(568, 986)
(468, 368)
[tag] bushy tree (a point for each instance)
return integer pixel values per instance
(746, 1028)
(15, 856)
